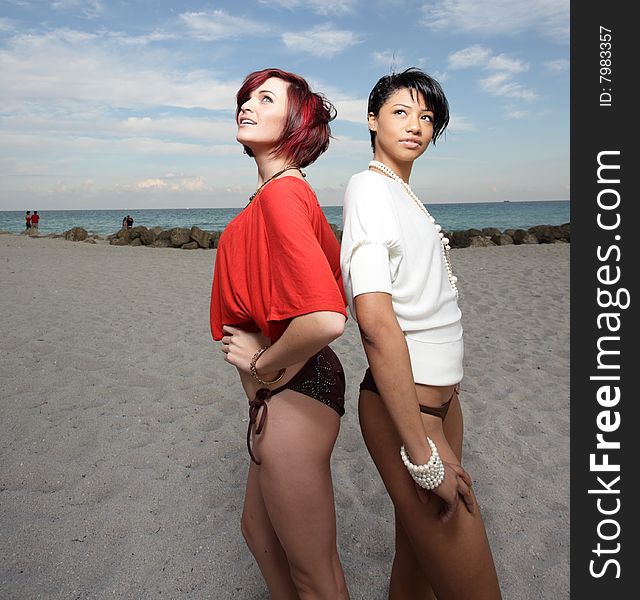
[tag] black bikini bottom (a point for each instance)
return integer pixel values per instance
(321, 378)
(369, 384)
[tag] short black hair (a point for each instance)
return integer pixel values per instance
(412, 79)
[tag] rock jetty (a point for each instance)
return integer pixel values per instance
(196, 238)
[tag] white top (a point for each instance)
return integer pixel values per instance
(389, 245)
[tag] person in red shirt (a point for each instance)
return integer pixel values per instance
(277, 302)
(28, 220)
(35, 219)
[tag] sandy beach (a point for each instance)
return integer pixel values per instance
(122, 447)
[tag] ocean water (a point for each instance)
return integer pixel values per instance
(452, 217)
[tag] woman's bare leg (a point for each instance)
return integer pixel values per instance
(454, 556)
(408, 579)
(294, 478)
(264, 543)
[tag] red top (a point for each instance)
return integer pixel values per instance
(35, 218)
(278, 259)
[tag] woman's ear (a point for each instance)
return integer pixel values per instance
(372, 122)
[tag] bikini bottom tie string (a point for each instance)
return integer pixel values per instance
(260, 401)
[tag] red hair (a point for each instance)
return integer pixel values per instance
(306, 131)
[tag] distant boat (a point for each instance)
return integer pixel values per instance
(506, 200)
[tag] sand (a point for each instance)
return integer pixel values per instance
(122, 447)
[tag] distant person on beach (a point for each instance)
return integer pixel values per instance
(28, 220)
(129, 222)
(124, 222)
(35, 219)
(277, 302)
(403, 293)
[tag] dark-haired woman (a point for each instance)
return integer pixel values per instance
(403, 293)
(277, 302)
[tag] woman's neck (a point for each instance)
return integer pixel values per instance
(268, 166)
(401, 168)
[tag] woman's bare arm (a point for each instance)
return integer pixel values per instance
(388, 356)
(305, 336)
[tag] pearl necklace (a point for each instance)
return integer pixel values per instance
(444, 242)
(288, 168)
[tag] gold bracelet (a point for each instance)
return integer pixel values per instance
(254, 370)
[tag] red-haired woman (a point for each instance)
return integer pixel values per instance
(276, 304)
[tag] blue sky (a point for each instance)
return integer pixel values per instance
(130, 104)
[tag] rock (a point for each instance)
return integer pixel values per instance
(136, 242)
(33, 232)
(136, 232)
(161, 243)
(190, 246)
(179, 236)
(502, 239)
(546, 234)
(460, 239)
(480, 241)
(89, 241)
(490, 231)
(76, 234)
(203, 238)
(124, 235)
(118, 241)
(518, 236)
(148, 236)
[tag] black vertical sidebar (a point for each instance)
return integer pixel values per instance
(605, 431)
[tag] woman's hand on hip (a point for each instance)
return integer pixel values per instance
(456, 485)
(239, 346)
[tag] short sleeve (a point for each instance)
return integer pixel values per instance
(370, 242)
(302, 280)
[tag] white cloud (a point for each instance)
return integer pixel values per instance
(141, 40)
(6, 24)
(218, 25)
(322, 41)
(205, 130)
(459, 124)
(349, 108)
(320, 7)
(557, 66)
(500, 84)
(352, 110)
(502, 62)
(89, 8)
(67, 66)
(393, 60)
(473, 56)
(514, 113)
(440, 76)
(173, 183)
(505, 17)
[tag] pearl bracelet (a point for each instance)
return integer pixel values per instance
(429, 475)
